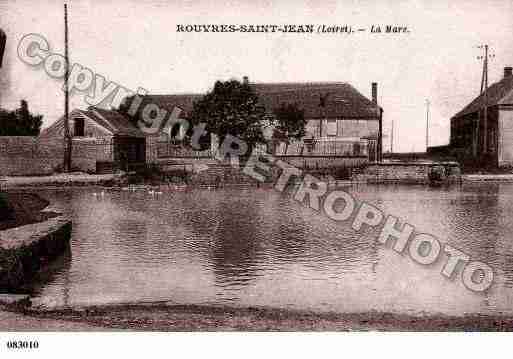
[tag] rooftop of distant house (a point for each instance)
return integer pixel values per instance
(500, 93)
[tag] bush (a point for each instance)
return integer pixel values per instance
(6, 211)
(436, 173)
(178, 176)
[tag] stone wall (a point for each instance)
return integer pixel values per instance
(302, 162)
(205, 172)
(24, 250)
(323, 162)
(415, 172)
(219, 174)
(210, 171)
(24, 156)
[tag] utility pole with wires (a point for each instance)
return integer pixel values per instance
(427, 124)
(67, 135)
(484, 92)
(3, 39)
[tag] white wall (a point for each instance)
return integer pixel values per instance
(505, 138)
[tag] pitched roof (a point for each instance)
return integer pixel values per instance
(184, 101)
(113, 121)
(500, 93)
(340, 99)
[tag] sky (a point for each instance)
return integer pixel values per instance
(135, 44)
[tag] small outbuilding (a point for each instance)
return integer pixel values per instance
(103, 140)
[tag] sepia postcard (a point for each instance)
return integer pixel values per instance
(254, 166)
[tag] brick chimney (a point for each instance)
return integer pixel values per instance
(245, 80)
(508, 71)
(375, 93)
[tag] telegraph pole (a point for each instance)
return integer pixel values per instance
(427, 124)
(3, 40)
(484, 92)
(485, 72)
(67, 136)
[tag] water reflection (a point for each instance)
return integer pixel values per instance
(236, 246)
(258, 247)
(58, 267)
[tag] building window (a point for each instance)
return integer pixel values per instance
(79, 130)
(491, 141)
(331, 128)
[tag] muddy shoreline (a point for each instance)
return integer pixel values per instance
(164, 317)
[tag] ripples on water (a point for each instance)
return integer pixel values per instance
(256, 247)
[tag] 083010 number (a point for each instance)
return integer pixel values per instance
(22, 344)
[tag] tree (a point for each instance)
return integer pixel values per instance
(20, 122)
(290, 123)
(231, 108)
(124, 106)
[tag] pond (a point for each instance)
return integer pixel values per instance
(258, 247)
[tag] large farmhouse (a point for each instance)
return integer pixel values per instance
(341, 123)
(486, 139)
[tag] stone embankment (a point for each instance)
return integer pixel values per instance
(410, 172)
(29, 238)
(26, 249)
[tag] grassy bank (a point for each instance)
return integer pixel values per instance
(62, 180)
(162, 317)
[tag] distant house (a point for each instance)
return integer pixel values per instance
(111, 140)
(341, 123)
(468, 126)
(340, 120)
